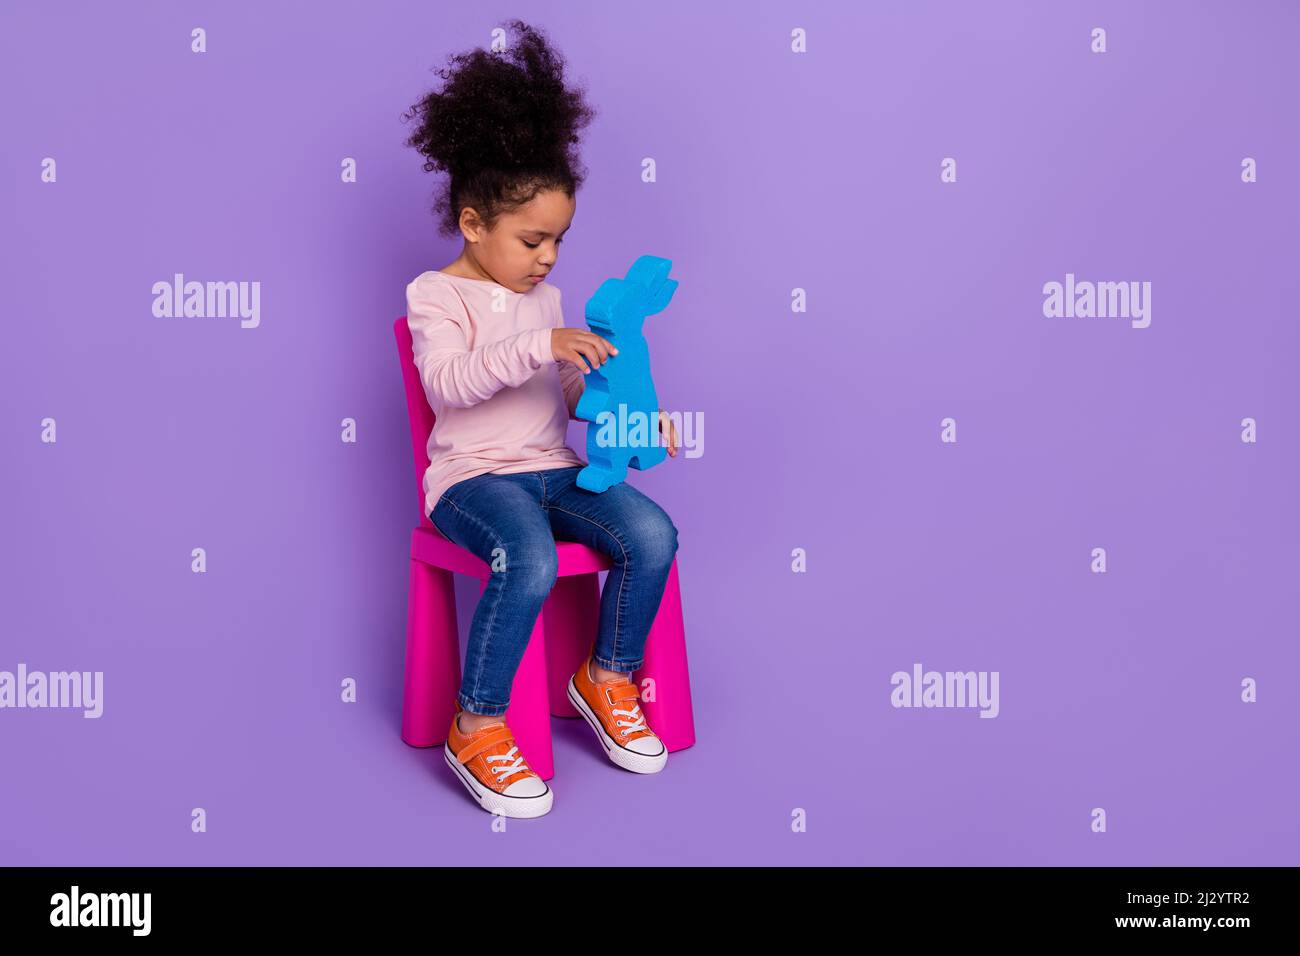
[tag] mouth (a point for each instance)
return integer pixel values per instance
(539, 278)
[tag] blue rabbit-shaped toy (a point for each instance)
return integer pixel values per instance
(619, 398)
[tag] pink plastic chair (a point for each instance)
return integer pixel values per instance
(562, 637)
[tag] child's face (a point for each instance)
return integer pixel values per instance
(526, 242)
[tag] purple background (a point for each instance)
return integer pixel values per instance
(775, 171)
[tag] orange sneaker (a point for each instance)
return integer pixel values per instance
(611, 709)
(490, 766)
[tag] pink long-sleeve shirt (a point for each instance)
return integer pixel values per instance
(501, 401)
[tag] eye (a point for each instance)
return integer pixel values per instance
(531, 245)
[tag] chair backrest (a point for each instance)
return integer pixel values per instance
(417, 409)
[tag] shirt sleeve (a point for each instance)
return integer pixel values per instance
(571, 377)
(456, 374)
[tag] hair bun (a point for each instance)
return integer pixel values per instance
(508, 110)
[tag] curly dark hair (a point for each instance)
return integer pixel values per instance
(504, 128)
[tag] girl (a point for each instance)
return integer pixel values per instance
(503, 377)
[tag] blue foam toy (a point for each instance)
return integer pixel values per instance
(619, 399)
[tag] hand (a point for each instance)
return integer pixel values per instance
(666, 427)
(581, 348)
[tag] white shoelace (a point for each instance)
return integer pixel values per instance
(636, 723)
(513, 765)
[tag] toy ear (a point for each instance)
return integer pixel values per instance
(659, 301)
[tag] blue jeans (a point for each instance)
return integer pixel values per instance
(512, 522)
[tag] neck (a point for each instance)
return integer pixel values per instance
(467, 268)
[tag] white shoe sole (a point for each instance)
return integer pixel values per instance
(493, 802)
(620, 755)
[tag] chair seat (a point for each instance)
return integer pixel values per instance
(433, 549)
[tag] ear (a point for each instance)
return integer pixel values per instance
(663, 295)
(470, 224)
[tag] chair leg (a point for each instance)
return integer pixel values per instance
(529, 713)
(571, 618)
(432, 657)
(666, 700)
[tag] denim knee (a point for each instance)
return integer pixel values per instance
(533, 569)
(653, 541)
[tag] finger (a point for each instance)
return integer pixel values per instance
(667, 425)
(601, 347)
(585, 350)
